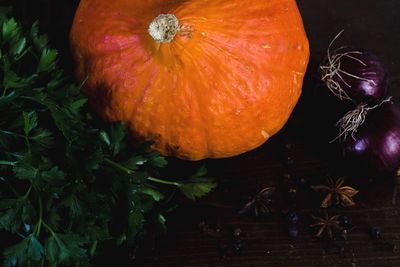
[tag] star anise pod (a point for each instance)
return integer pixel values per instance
(336, 192)
(260, 204)
(327, 225)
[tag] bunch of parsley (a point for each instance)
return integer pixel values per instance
(63, 175)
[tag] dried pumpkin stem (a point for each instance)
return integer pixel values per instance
(164, 28)
(353, 119)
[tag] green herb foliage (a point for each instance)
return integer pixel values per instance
(62, 174)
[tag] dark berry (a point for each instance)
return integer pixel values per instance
(288, 146)
(289, 161)
(292, 192)
(304, 180)
(345, 234)
(293, 231)
(344, 220)
(292, 218)
(237, 232)
(237, 245)
(376, 233)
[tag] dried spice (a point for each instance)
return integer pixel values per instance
(337, 193)
(260, 204)
(327, 225)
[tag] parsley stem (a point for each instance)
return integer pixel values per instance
(163, 181)
(59, 242)
(27, 193)
(49, 228)
(23, 54)
(10, 186)
(129, 172)
(39, 224)
(5, 91)
(93, 248)
(28, 145)
(20, 235)
(12, 133)
(119, 166)
(8, 163)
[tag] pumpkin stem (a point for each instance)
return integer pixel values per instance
(164, 28)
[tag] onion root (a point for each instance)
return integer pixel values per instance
(353, 119)
(331, 69)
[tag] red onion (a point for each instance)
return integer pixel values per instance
(375, 144)
(354, 74)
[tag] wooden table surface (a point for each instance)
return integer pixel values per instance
(373, 25)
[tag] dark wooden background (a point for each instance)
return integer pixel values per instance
(373, 25)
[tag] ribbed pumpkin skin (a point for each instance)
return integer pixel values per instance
(218, 91)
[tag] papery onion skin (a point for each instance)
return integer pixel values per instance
(371, 86)
(376, 145)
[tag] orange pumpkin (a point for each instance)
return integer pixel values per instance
(207, 78)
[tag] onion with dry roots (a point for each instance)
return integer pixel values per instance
(354, 74)
(353, 119)
(370, 137)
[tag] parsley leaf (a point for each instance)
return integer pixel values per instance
(30, 121)
(28, 250)
(47, 60)
(135, 224)
(62, 248)
(198, 185)
(25, 171)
